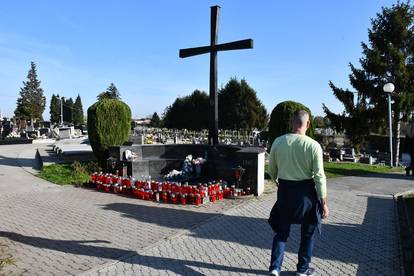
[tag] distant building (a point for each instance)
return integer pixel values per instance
(142, 121)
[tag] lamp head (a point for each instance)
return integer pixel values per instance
(388, 87)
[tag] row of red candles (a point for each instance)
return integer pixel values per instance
(167, 192)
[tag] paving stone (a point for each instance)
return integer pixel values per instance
(77, 230)
(355, 239)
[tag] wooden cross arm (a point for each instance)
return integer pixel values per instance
(236, 45)
(194, 51)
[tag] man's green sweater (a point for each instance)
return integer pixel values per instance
(298, 157)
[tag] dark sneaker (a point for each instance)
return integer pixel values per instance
(309, 272)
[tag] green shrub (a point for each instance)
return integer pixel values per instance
(281, 119)
(109, 124)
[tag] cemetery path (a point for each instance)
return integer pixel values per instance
(54, 230)
(63, 230)
(359, 238)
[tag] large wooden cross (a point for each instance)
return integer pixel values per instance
(213, 49)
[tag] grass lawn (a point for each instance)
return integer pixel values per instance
(68, 174)
(339, 169)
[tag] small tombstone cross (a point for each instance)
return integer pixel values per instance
(213, 49)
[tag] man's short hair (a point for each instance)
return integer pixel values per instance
(300, 118)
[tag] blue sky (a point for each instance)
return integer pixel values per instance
(80, 47)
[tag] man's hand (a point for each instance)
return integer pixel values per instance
(325, 209)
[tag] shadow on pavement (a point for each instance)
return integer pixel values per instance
(361, 244)
(18, 162)
(399, 176)
(183, 267)
(366, 244)
(81, 247)
(160, 215)
(77, 247)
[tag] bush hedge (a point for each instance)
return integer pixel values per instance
(281, 119)
(109, 124)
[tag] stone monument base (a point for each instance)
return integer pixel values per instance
(222, 161)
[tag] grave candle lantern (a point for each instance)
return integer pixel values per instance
(213, 197)
(164, 197)
(141, 193)
(183, 199)
(173, 198)
(198, 200)
(191, 198)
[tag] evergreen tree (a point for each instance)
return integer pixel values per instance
(55, 109)
(68, 110)
(386, 58)
(239, 107)
(110, 93)
(190, 112)
(78, 111)
(31, 102)
(155, 120)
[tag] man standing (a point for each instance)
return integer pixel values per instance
(409, 147)
(296, 164)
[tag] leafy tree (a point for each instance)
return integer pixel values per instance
(68, 110)
(78, 111)
(321, 122)
(155, 120)
(190, 112)
(110, 93)
(239, 107)
(386, 58)
(55, 108)
(281, 119)
(31, 102)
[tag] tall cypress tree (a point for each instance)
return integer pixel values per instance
(239, 107)
(155, 120)
(31, 102)
(78, 111)
(190, 112)
(55, 108)
(386, 58)
(68, 110)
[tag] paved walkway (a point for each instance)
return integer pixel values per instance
(64, 230)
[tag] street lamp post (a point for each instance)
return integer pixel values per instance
(389, 88)
(61, 110)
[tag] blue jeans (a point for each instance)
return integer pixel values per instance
(305, 250)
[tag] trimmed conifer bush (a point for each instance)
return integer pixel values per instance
(281, 119)
(109, 124)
